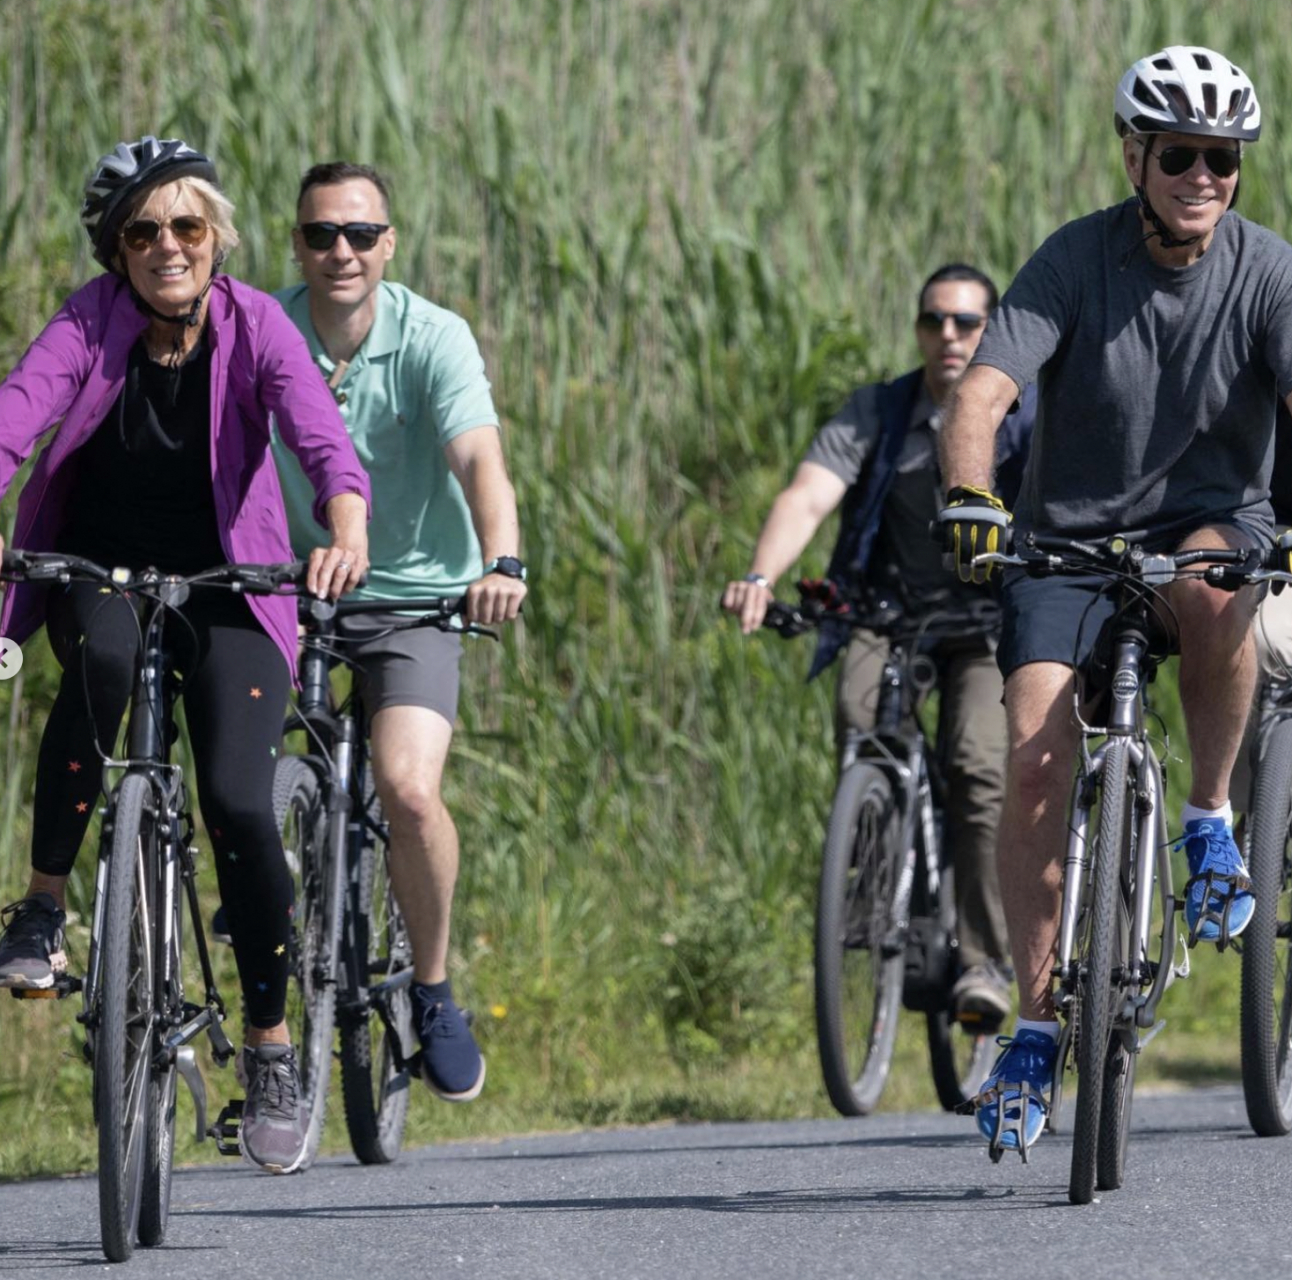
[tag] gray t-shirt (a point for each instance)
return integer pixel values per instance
(1157, 385)
(902, 544)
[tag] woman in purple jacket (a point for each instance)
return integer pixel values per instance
(163, 375)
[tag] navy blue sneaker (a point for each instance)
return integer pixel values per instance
(1218, 875)
(1015, 1097)
(451, 1063)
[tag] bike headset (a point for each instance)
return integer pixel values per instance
(1184, 89)
(112, 192)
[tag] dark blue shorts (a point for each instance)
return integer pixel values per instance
(1058, 619)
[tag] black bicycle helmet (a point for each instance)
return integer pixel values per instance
(126, 171)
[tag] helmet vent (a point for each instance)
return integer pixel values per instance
(1163, 64)
(1209, 101)
(1204, 63)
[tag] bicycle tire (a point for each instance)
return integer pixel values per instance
(1094, 980)
(859, 958)
(1265, 1005)
(1118, 1087)
(959, 1059)
(163, 1090)
(374, 1086)
(124, 1037)
(311, 989)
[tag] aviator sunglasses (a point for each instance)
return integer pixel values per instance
(188, 228)
(964, 321)
(361, 236)
(1222, 161)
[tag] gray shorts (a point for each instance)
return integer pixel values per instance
(413, 668)
(1058, 619)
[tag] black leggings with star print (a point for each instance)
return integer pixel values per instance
(235, 685)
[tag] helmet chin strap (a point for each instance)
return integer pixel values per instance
(189, 319)
(1161, 230)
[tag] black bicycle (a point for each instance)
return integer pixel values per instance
(886, 919)
(139, 1025)
(1266, 1003)
(355, 959)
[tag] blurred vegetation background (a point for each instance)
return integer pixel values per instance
(682, 233)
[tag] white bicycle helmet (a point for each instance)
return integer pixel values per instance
(127, 170)
(1188, 89)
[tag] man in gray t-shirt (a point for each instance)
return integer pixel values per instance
(1159, 333)
(890, 493)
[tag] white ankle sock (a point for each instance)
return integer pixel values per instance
(1050, 1029)
(1191, 813)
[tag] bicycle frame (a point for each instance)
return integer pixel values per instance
(904, 754)
(149, 741)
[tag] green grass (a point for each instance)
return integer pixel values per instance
(682, 233)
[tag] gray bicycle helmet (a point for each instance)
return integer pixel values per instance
(126, 171)
(1188, 89)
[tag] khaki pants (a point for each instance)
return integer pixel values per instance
(974, 728)
(1273, 630)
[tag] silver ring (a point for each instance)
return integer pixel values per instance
(343, 564)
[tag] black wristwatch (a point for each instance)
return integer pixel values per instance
(508, 566)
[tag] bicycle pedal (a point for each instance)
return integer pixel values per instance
(226, 1128)
(64, 985)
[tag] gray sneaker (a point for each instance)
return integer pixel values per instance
(272, 1133)
(980, 997)
(31, 948)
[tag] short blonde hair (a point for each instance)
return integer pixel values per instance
(217, 208)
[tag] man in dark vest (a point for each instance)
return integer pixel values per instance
(878, 457)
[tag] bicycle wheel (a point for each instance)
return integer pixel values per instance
(960, 1058)
(311, 990)
(374, 1083)
(1266, 1004)
(159, 1155)
(124, 1038)
(858, 950)
(1118, 1087)
(1094, 979)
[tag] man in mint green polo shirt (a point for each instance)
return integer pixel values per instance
(410, 383)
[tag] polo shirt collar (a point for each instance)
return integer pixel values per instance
(382, 339)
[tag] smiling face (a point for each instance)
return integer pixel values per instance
(167, 274)
(946, 348)
(343, 276)
(1191, 203)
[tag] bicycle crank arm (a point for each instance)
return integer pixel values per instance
(186, 1065)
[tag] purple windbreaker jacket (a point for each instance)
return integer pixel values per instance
(259, 365)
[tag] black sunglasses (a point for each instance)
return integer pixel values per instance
(964, 321)
(361, 236)
(1222, 161)
(188, 228)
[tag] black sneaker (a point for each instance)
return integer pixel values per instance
(272, 1133)
(31, 948)
(451, 1063)
(220, 927)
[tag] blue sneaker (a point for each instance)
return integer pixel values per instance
(1218, 874)
(1015, 1097)
(451, 1063)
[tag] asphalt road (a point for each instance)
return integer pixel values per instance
(891, 1196)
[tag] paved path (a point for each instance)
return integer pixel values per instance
(892, 1196)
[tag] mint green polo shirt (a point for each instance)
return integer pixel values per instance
(416, 382)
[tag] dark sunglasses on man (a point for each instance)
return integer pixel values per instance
(1222, 161)
(188, 228)
(964, 321)
(360, 236)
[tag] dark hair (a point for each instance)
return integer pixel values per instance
(961, 271)
(333, 171)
